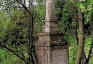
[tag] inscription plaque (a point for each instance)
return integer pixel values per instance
(59, 56)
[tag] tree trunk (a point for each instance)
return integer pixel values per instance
(81, 39)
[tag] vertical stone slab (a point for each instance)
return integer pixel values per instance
(60, 55)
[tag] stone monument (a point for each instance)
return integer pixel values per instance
(51, 48)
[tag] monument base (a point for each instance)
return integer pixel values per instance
(52, 49)
(52, 55)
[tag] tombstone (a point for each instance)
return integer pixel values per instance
(51, 48)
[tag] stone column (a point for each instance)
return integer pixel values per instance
(50, 10)
(51, 48)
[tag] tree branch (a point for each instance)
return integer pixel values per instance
(23, 6)
(15, 53)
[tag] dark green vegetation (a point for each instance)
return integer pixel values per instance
(14, 29)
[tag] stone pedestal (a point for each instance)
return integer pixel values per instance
(52, 49)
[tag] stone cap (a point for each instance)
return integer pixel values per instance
(50, 33)
(52, 44)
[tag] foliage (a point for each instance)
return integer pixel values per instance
(39, 18)
(13, 32)
(69, 24)
(13, 27)
(8, 58)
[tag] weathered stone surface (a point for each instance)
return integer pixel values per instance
(51, 39)
(43, 55)
(52, 55)
(50, 47)
(51, 26)
(59, 56)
